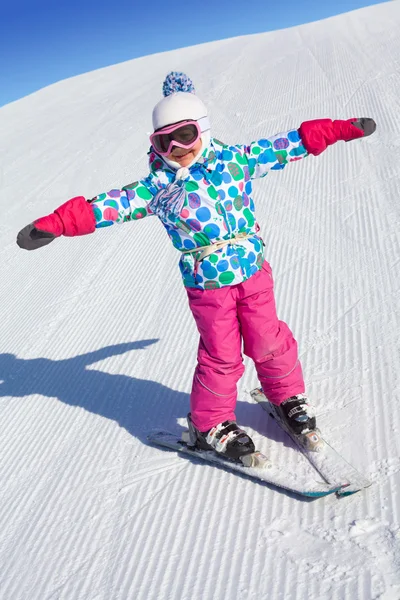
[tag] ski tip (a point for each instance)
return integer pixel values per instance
(351, 488)
(322, 493)
(343, 493)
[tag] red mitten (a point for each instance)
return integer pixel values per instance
(317, 135)
(77, 217)
(74, 217)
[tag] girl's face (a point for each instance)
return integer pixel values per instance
(184, 156)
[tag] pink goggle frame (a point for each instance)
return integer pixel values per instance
(184, 135)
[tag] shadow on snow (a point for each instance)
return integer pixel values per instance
(138, 405)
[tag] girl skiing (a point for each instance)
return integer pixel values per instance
(201, 190)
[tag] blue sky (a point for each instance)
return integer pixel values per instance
(44, 41)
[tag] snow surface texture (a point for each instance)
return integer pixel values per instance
(93, 354)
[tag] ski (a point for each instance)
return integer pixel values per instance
(258, 467)
(329, 463)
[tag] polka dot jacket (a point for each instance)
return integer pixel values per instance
(218, 205)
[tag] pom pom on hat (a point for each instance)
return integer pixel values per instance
(180, 103)
(176, 81)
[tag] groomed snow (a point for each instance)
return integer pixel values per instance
(94, 353)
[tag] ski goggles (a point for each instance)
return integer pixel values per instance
(184, 135)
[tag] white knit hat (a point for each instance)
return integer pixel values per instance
(180, 104)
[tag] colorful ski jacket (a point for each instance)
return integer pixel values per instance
(218, 205)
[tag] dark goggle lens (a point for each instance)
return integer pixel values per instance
(161, 142)
(187, 134)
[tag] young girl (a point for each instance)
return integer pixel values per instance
(201, 190)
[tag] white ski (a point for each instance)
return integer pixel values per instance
(329, 463)
(259, 466)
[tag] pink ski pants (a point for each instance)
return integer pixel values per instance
(224, 318)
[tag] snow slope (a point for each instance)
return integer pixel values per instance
(93, 354)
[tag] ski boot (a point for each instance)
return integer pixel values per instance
(298, 414)
(225, 438)
(297, 417)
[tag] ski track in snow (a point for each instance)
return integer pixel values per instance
(94, 353)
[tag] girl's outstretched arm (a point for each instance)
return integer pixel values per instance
(273, 153)
(79, 216)
(312, 137)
